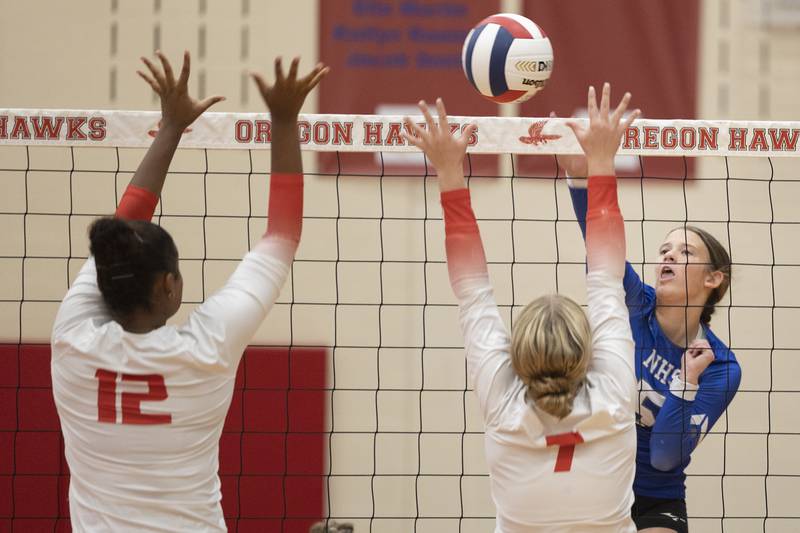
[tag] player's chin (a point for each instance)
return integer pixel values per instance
(670, 292)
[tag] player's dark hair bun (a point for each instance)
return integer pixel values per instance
(129, 255)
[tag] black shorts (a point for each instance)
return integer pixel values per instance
(658, 512)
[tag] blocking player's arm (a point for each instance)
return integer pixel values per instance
(636, 295)
(139, 201)
(690, 412)
(612, 342)
(486, 339)
(225, 323)
(178, 111)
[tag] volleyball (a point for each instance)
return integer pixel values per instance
(507, 58)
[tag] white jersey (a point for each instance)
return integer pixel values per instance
(142, 414)
(550, 475)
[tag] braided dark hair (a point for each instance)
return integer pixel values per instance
(129, 254)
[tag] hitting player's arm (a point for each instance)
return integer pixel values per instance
(226, 322)
(635, 294)
(690, 411)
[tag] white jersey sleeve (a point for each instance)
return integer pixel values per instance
(82, 302)
(225, 323)
(612, 341)
(487, 344)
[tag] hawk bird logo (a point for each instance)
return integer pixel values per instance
(535, 135)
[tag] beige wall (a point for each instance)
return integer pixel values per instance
(69, 66)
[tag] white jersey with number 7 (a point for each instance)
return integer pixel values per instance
(548, 475)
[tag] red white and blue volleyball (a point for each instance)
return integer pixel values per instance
(507, 58)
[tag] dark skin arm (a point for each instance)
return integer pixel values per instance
(284, 100)
(178, 111)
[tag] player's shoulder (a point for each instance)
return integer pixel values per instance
(725, 368)
(722, 352)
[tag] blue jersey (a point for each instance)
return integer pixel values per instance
(669, 424)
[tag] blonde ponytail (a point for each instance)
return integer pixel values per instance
(550, 351)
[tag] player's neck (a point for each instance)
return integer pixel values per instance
(141, 322)
(680, 324)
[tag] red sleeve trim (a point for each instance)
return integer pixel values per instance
(285, 211)
(605, 228)
(465, 255)
(602, 195)
(458, 214)
(137, 204)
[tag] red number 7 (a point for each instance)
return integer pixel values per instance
(131, 401)
(566, 449)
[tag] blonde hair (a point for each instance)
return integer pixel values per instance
(550, 351)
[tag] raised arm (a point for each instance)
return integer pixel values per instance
(612, 343)
(178, 111)
(226, 322)
(636, 293)
(284, 100)
(486, 339)
(605, 229)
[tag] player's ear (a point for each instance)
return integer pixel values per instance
(713, 279)
(171, 282)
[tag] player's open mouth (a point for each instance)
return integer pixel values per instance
(666, 273)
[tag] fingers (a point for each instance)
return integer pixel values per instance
(417, 135)
(605, 100)
(208, 102)
(699, 343)
(168, 74)
(576, 128)
(317, 78)
(278, 70)
(619, 112)
(293, 69)
(150, 81)
(183, 80)
(423, 106)
(591, 103)
(156, 74)
(636, 113)
(308, 77)
(262, 84)
(442, 114)
(467, 133)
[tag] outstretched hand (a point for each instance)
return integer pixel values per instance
(574, 165)
(445, 151)
(600, 141)
(178, 109)
(286, 96)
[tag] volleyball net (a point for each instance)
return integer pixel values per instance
(352, 403)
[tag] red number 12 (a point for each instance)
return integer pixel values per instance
(131, 401)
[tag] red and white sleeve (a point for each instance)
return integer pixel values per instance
(465, 255)
(605, 228)
(137, 204)
(284, 215)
